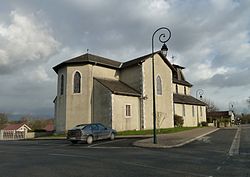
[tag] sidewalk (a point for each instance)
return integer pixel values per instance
(176, 139)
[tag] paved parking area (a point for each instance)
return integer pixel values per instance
(205, 157)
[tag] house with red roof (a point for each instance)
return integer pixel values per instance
(21, 127)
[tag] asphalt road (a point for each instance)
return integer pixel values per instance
(206, 157)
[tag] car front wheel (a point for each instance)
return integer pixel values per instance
(90, 139)
(112, 136)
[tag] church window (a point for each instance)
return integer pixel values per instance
(62, 85)
(77, 82)
(128, 110)
(158, 85)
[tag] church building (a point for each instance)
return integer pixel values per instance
(94, 89)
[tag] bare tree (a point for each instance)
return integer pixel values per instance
(3, 119)
(248, 101)
(210, 105)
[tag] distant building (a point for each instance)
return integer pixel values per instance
(224, 117)
(91, 88)
(49, 127)
(21, 127)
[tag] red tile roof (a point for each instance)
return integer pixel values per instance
(49, 127)
(14, 126)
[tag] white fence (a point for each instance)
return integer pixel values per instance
(12, 135)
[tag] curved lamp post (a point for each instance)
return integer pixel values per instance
(199, 92)
(164, 49)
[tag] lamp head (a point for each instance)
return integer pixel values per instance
(164, 49)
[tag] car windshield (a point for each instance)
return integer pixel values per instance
(81, 126)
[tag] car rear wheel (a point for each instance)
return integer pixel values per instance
(112, 136)
(89, 139)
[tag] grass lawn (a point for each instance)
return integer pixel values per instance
(159, 131)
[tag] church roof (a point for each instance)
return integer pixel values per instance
(143, 58)
(89, 59)
(187, 99)
(178, 76)
(118, 87)
(182, 82)
(101, 61)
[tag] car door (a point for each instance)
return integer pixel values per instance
(103, 131)
(95, 131)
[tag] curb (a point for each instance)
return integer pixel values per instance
(177, 145)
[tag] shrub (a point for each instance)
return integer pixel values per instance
(204, 124)
(178, 121)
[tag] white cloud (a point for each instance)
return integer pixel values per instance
(24, 40)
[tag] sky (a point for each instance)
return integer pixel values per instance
(210, 38)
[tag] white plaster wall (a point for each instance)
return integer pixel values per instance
(108, 73)
(119, 121)
(102, 109)
(60, 105)
(164, 102)
(79, 104)
(181, 89)
(133, 77)
(191, 120)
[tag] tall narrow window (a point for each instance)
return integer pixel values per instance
(183, 110)
(193, 111)
(128, 110)
(200, 110)
(185, 91)
(77, 82)
(62, 85)
(158, 85)
(176, 89)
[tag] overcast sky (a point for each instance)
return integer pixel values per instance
(211, 38)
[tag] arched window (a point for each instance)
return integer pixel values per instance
(185, 91)
(77, 82)
(62, 85)
(158, 85)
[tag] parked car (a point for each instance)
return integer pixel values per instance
(90, 133)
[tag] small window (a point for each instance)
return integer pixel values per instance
(185, 91)
(62, 85)
(193, 111)
(200, 110)
(183, 110)
(77, 82)
(158, 85)
(128, 110)
(176, 89)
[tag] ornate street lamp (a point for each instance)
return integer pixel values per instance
(200, 92)
(164, 49)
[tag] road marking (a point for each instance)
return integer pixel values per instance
(244, 153)
(166, 170)
(108, 142)
(70, 155)
(218, 168)
(111, 147)
(234, 149)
